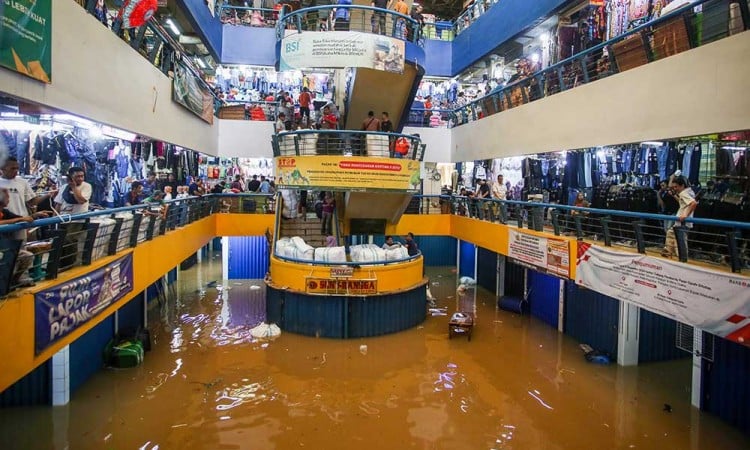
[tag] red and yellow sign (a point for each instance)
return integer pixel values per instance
(353, 173)
(341, 286)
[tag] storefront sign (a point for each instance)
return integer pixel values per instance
(545, 254)
(352, 173)
(713, 301)
(341, 287)
(26, 37)
(188, 91)
(342, 49)
(342, 272)
(61, 309)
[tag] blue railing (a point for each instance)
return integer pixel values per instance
(471, 14)
(365, 19)
(348, 142)
(248, 16)
(676, 32)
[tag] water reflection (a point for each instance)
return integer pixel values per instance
(518, 384)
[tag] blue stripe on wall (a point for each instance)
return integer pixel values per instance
(514, 279)
(248, 257)
(130, 315)
(467, 263)
(592, 318)
(544, 297)
(487, 269)
(437, 250)
(34, 389)
(656, 338)
(438, 57)
(86, 352)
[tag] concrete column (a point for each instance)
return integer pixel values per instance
(561, 307)
(61, 377)
(476, 260)
(500, 277)
(199, 254)
(458, 260)
(224, 258)
(627, 336)
(695, 396)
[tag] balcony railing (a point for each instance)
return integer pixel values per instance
(239, 110)
(676, 32)
(349, 143)
(248, 16)
(364, 19)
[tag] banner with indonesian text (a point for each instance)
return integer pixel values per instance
(352, 173)
(544, 254)
(342, 49)
(26, 37)
(712, 301)
(61, 309)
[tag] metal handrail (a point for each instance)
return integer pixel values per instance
(268, 15)
(296, 20)
(501, 98)
(341, 142)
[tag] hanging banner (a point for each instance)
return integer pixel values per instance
(351, 173)
(713, 301)
(544, 254)
(342, 49)
(61, 309)
(188, 91)
(26, 37)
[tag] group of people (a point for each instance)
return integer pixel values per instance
(411, 246)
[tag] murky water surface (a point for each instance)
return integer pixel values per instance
(518, 384)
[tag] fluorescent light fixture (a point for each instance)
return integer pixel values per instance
(731, 147)
(117, 133)
(654, 143)
(200, 63)
(11, 115)
(535, 58)
(19, 125)
(95, 132)
(544, 37)
(173, 26)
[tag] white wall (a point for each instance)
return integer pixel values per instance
(244, 138)
(701, 91)
(98, 76)
(438, 142)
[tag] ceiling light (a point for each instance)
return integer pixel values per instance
(200, 63)
(544, 37)
(731, 147)
(535, 58)
(173, 26)
(654, 143)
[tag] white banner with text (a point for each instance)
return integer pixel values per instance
(713, 301)
(540, 253)
(342, 49)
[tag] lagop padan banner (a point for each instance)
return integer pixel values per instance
(342, 49)
(713, 301)
(65, 307)
(26, 37)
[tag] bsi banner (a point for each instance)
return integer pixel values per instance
(61, 309)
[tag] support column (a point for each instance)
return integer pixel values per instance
(476, 267)
(225, 258)
(697, 385)
(61, 377)
(500, 277)
(458, 260)
(199, 255)
(561, 307)
(627, 335)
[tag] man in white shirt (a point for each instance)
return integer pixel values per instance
(280, 126)
(20, 195)
(390, 244)
(686, 198)
(74, 198)
(499, 192)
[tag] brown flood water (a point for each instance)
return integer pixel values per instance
(518, 384)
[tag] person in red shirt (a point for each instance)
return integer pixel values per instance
(304, 105)
(328, 121)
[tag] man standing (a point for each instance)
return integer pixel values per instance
(254, 184)
(371, 123)
(304, 106)
(21, 196)
(411, 246)
(499, 192)
(686, 198)
(74, 198)
(483, 194)
(378, 18)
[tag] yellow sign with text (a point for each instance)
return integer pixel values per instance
(341, 286)
(352, 173)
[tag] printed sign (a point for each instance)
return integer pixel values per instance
(342, 49)
(342, 272)
(188, 91)
(713, 301)
(540, 253)
(61, 309)
(26, 37)
(342, 287)
(338, 172)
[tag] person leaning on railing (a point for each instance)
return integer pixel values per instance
(25, 258)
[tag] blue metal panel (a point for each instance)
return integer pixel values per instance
(514, 279)
(487, 269)
(205, 24)
(171, 276)
(248, 257)
(35, 388)
(544, 297)
(130, 315)
(321, 316)
(499, 24)
(437, 62)
(726, 385)
(466, 267)
(373, 316)
(656, 338)
(86, 352)
(592, 318)
(437, 250)
(216, 243)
